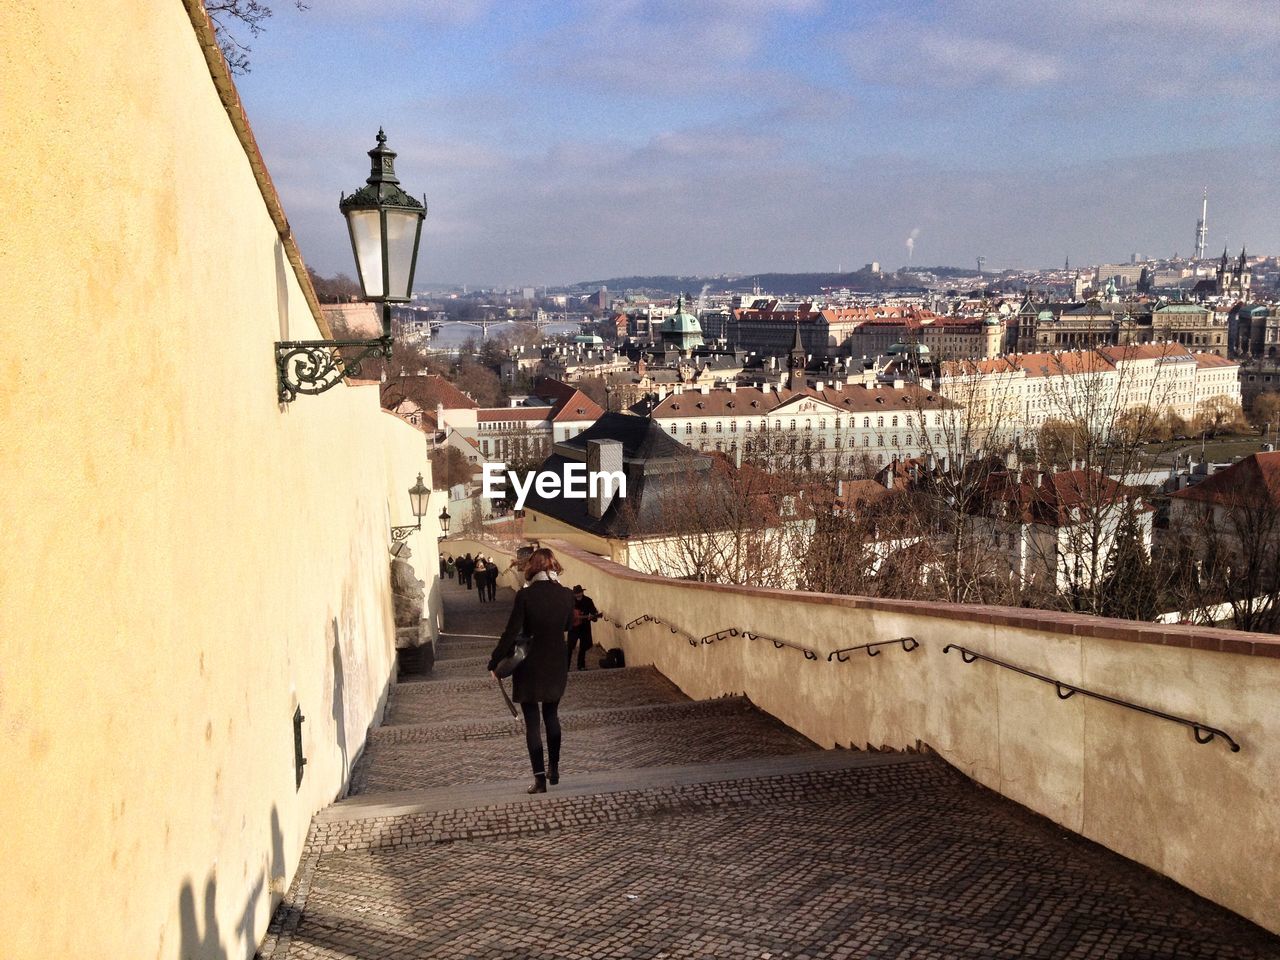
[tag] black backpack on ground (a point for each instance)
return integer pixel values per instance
(612, 659)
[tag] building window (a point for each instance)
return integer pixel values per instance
(866, 441)
(702, 427)
(793, 424)
(880, 440)
(866, 421)
(733, 426)
(719, 427)
(879, 421)
(895, 422)
(674, 429)
(688, 429)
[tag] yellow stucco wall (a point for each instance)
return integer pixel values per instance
(1141, 786)
(185, 561)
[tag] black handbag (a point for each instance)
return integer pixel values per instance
(511, 663)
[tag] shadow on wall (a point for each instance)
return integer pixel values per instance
(203, 941)
(339, 708)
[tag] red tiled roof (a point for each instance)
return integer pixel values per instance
(745, 401)
(576, 406)
(1213, 360)
(552, 389)
(1060, 493)
(1254, 480)
(426, 391)
(1145, 351)
(499, 414)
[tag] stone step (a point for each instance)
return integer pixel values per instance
(460, 667)
(408, 818)
(456, 651)
(453, 697)
(647, 742)
(570, 720)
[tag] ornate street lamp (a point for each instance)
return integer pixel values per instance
(385, 225)
(444, 521)
(419, 494)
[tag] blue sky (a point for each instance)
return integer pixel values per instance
(582, 139)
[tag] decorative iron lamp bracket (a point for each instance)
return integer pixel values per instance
(401, 534)
(313, 366)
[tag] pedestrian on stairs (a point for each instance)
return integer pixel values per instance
(482, 580)
(584, 614)
(542, 611)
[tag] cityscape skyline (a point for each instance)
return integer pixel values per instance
(556, 143)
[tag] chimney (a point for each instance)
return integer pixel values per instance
(733, 386)
(704, 389)
(440, 414)
(603, 457)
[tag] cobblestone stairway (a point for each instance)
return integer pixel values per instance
(695, 829)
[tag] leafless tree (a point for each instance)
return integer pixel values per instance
(232, 20)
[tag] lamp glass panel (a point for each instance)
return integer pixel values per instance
(402, 233)
(418, 501)
(366, 236)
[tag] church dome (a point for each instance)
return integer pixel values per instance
(681, 322)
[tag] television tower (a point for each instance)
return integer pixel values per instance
(1202, 225)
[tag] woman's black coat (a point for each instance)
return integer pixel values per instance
(543, 610)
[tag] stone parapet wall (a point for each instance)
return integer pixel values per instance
(1139, 785)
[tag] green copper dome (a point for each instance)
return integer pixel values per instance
(682, 322)
(681, 331)
(919, 349)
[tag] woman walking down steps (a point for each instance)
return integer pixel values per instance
(543, 611)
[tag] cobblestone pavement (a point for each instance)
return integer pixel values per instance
(789, 853)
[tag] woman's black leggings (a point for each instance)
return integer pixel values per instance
(533, 734)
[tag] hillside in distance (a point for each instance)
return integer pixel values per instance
(798, 284)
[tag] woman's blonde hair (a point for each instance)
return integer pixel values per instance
(542, 560)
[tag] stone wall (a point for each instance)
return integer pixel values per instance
(187, 561)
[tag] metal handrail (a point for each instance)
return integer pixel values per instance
(1202, 731)
(908, 644)
(809, 652)
(649, 618)
(730, 632)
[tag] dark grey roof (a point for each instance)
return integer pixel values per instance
(656, 466)
(641, 438)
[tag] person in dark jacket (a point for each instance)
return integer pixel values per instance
(491, 578)
(543, 611)
(466, 567)
(584, 613)
(482, 579)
